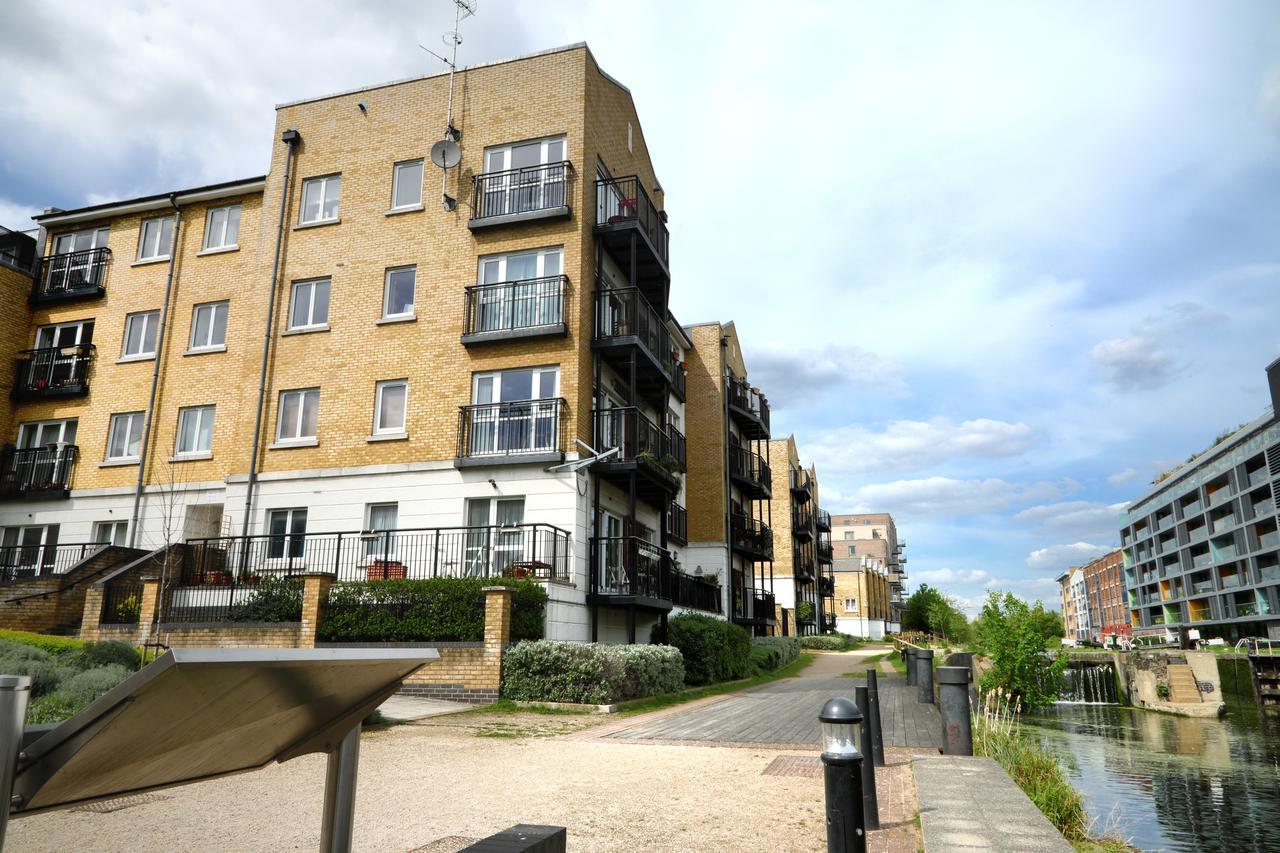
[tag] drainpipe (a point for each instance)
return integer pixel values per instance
(291, 138)
(155, 374)
(728, 494)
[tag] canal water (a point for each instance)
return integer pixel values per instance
(1171, 783)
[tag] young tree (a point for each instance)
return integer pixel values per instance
(1012, 637)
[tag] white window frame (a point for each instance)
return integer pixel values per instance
(379, 389)
(304, 395)
(220, 232)
(324, 182)
(127, 420)
(118, 531)
(491, 548)
(155, 252)
(377, 545)
(503, 152)
(503, 195)
(386, 293)
(210, 345)
(496, 375)
(310, 283)
(395, 184)
(286, 539)
(849, 601)
(146, 317)
(54, 331)
(64, 425)
(65, 244)
(200, 414)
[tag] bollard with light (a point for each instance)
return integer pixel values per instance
(842, 776)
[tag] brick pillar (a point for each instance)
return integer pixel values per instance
(92, 614)
(150, 608)
(497, 633)
(315, 592)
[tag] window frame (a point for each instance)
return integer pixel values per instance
(224, 304)
(847, 602)
(199, 412)
(395, 184)
(113, 425)
(544, 143)
(311, 325)
(223, 245)
(323, 181)
(143, 235)
(291, 539)
(116, 524)
(386, 293)
(496, 375)
(379, 388)
(64, 426)
(129, 320)
(303, 395)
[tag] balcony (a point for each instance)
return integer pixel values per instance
(628, 330)
(801, 484)
(677, 524)
(752, 606)
(627, 570)
(19, 562)
(802, 522)
(523, 431)
(826, 585)
(38, 473)
(804, 564)
(822, 519)
(748, 408)
(527, 308)
(751, 537)
(633, 229)
(750, 473)
(53, 372)
(655, 455)
(824, 549)
(526, 194)
(70, 276)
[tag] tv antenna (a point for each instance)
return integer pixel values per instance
(446, 154)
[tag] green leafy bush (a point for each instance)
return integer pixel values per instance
(831, 642)
(274, 599)
(52, 644)
(713, 649)
(804, 611)
(20, 651)
(108, 652)
(425, 610)
(550, 671)
(66, 675)
(84, 687)
(1014, 642)
(53, 708)
(770, 653)
(45, 675)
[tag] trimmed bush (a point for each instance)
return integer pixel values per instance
(713, 649)
(588, 673)
(19, 651)
(46, 642)
(425, 610)
(108, 652)
(831, 642)
(274, 599)
(84, 687)
(53, 708)
(770, 653)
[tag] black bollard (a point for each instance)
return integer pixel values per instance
(924, 675)
(842, 777)
(870, 807)
(953, 702)
(873, 706)
(909, 657)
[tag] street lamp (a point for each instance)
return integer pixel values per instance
(842, 776)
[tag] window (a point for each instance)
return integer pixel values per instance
(529, 301)
(310, 304)
(494, 537)
(209, 326)
(125, 437)
(515, 411)
(44, 433)
(406, 185)
(523, 177)
(65, 335)
(848, 534)
(320, 198)
(156, 238)
(111, 532)
(287, 528)
(140, 334)
(379, 519)
(299, 411)
(397, 297)
(195, 430)
(28, 550)
(389, 407)
(851, 605)
(853, 550)
(79, 241)
(222, 227)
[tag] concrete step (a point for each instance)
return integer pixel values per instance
(1182, 684)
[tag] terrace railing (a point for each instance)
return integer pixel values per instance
(629, 566)
(18, 562)
(37, 470)
(51, 370)
(515, 306)
(71, 274)
(510, 429)
(525, 190)
(624, 200)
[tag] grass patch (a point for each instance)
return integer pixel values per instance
(896, 661)
(667, 700)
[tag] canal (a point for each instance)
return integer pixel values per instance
(1171, 783)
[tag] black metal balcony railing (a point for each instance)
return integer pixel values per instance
(677, 523)
(751, 403)
(38, 471)
(121, 602)
(827, 585)
(750, 470)
(639, 439)
(802, 520)
(822, 519)
(624, 201)
(52, 372)
(801, 484)
(629, 566)
(515, 308)
(824, 549)
(511, 429)
(18, 562)
(518, 191)
(219, 576)
(803, 561)
(71, 275)
(751, 535)
(754, 605)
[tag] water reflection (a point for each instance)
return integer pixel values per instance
(1172, 783)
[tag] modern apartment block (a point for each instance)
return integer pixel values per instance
(1201, 549)
(803, 580)
(362, 364)
(873, 535)
(1105, 596)
(862, 593)
(1075, 604)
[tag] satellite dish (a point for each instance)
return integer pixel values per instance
(446, 153)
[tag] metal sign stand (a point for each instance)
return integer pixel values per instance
(338, 823)
(14, 692)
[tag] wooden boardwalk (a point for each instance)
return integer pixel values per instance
(785, 713)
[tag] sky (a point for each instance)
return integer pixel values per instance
(996, 265)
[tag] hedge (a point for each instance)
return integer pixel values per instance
(550, 671)
(832, 642)
(274, 599)
(51, 644)
(770, 653)
(64, 682)
(426, 610)
(713, 649)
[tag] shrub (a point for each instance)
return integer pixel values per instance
(19, 651)
(1015, 645)
(549, 671)
(45, 674)
(713, 649)
(770, 653)
(424, 610)
(804, 611)
(274, 599)
(108, 652)
(53, 708)
(46, 642)
(831, 642)
(84, 687)
(764, 659)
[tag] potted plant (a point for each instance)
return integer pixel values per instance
(386, 570)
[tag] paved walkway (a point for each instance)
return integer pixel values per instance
(785, 713)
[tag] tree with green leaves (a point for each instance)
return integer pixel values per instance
(928, 609)
(1012, 636)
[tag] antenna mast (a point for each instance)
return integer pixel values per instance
(462, 9)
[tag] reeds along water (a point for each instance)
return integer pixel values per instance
(1089, 684)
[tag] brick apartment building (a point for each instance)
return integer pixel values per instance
(801, 543)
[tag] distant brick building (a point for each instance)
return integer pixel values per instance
(1107, 601)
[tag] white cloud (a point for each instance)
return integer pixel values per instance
(1119, 478)
(1083, 519)
(943, 496)
(788, 373)
(937, 577)
(907, 445)
(1057, 558)
(1133, 363)
(16, 216)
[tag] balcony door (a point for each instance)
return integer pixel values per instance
(78, 265)
(43, 465)
(517, 412)
(527, 303)
(495, 538)
(55, 364)
(26, 550)
(527, 176)
(611, 550)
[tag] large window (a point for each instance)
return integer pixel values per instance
(529, 299)
(398, 292)
(380, 523)
(309, 307)
(222, 227)
(299, 414)
(111, 532)
(140, 332)
(406, 185)
(391, 399)
(494, 538)
(195, 431)
(79, 241)
(209, 326)
(515, 411)
(35, 434)
(287, 528)
(28, 550)
(124, 439)
(156, 238)
(523, 177)
(320, 198)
